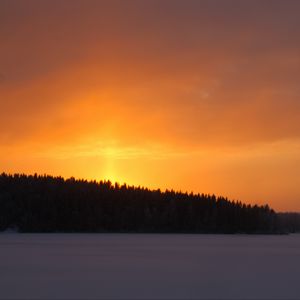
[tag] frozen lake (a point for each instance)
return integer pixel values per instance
(149, 266)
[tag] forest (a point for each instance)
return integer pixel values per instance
(42, 203)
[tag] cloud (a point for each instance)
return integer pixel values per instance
(192, 72)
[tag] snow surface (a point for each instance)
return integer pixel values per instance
(149, 266)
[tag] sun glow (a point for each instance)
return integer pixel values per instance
(158, 96)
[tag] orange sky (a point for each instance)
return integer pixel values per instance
(200, 96)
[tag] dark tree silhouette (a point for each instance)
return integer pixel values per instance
(33, 203)
(289, 222)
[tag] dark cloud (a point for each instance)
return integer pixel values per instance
(39, 37)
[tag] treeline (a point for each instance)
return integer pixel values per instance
(52, 204)
(289, 222)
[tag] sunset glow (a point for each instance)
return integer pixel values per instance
(200, 97)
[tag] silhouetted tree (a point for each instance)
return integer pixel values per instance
(34, 203)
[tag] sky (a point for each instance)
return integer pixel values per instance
(199, 96)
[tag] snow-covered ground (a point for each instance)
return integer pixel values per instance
(150, 266)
